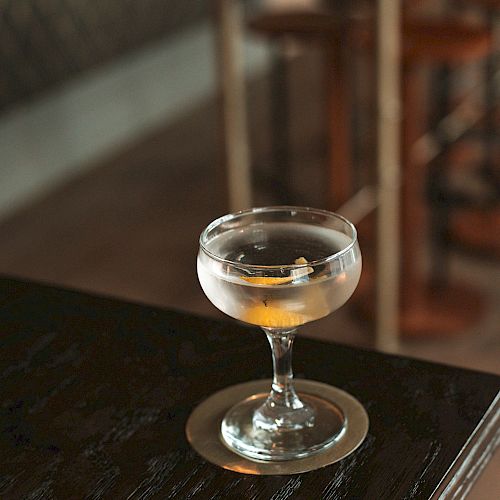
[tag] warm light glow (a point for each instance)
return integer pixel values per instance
(273, 317)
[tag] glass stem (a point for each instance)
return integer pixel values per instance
(283, 391)
(283, 409)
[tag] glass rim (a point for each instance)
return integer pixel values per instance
(277, 208)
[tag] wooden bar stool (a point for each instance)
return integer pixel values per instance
(429, 306)
(425, 309)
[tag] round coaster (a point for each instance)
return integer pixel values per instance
(203, 429)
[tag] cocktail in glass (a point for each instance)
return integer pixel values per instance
(279, 268)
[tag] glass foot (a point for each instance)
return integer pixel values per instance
(203, 429)
(241, 435)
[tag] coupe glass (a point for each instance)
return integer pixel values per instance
(279, 268)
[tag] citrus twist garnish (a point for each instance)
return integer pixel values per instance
(300, 260)
(260, 280)
(273, 317)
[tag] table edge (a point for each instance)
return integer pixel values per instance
(473, 457)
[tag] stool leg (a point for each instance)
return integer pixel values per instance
(339, 124)
(280, 122)
(439, 216)
(232, 84)
(413, 210)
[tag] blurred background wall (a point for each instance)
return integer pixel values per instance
(78, 80)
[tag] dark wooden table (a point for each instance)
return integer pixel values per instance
(95, 393)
